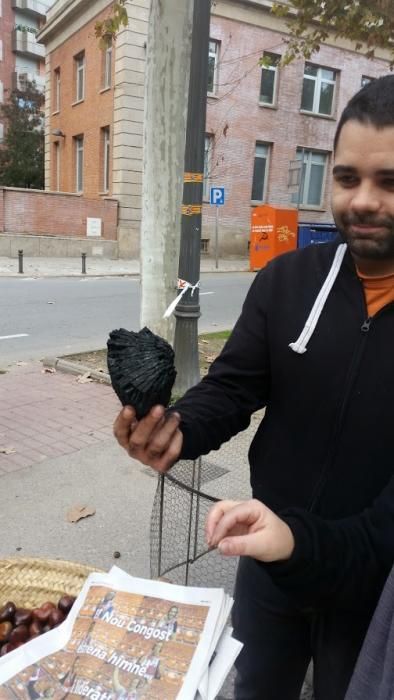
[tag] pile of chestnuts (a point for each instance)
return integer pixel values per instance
(19, 625)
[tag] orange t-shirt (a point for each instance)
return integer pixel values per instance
(379, 291)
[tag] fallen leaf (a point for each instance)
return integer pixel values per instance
(84, 378)
(204, 341)
(48, 370)
(22, 364)
(50, 302)
(7, 450)
(79, 512)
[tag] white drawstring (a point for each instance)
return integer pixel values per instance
(300, 344)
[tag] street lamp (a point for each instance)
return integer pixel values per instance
(187, 311)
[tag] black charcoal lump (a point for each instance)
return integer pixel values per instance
(141, 367)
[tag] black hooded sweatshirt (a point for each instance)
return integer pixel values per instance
(323, 455)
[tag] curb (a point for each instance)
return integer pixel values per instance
(55, 275)
(74, 368)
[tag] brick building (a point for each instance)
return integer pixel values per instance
(94, 109)
(21, 56)
(261, 122)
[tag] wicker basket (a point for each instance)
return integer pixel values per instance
(31, 582)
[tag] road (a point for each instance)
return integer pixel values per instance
(45, 317)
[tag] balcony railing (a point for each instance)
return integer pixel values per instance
(33, 7)
(25, 43)
(22, 77)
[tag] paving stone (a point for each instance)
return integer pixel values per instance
(47, 415)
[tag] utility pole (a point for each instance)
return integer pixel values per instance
(187, 311)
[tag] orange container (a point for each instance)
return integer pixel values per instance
(273, 232)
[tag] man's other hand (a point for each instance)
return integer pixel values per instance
(248, 528)
(155, 440)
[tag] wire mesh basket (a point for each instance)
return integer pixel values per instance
(182, 501)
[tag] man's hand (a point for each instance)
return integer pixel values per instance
(155, 440)
(248, 528)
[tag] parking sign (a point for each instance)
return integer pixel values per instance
(217, 196)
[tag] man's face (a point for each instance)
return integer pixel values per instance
(363, 193)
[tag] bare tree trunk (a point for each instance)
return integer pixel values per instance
(166, 99)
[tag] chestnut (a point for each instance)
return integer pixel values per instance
(23, 616)
(35, 629)
(5, 631)
(56, 617)
(19, 635)
(7, 612)
(65, 603)
(41, 615)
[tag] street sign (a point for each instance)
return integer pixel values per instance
(216, 196)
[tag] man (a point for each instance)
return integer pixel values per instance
(315, 345)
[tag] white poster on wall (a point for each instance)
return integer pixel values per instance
(93, 227)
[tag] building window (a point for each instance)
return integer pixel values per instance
(106, 141)
(1, 91)
(80, 76)
(312, 180)
(1, 132)
(56, 159)
(78, 140)
(107, 67)
(204, 245)
(56, 90)
(207, 166)
(365, 80)
(260, 172)
(269, 79)
(318, 90)
(213, 59)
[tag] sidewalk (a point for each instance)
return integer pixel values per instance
(101, 267)
(61, 453)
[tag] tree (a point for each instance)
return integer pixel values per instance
(106, 30)
(22, 150)
(166, 101)
(368, 24)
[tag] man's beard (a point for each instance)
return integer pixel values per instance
(378, 246)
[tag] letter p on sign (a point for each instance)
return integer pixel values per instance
(217, 196)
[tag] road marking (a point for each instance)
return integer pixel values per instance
(205, 293)
(17, 335)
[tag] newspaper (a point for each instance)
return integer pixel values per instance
(128, 638)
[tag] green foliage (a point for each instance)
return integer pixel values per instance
(22, 150)
(106, 30)
(369, 24)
